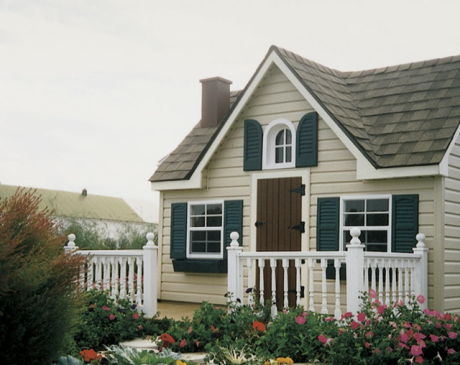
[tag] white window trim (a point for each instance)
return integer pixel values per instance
(379, 228)
(205, 256)
(269, 139)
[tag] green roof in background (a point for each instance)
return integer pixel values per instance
(69, 204)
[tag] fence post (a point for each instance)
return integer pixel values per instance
(150, 276)
(355, 264)
(421, 270)
(234, 276)
(71, 247)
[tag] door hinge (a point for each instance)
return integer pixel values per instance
(300, 227)
(302, 291)
(300, 190)
(258, 224)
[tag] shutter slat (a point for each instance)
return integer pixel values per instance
(253, 134)
(307, 141)
(233, 222)
(327, 225)
(404, 222)
(178, 230)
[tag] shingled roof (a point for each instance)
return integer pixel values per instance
(404, 115)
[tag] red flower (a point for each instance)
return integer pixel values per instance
(135, 315)
(369, 334)
(259, 326)
(381, 309)
(450, 351)
(367, 345)
(322, 339)
(416, 350)
(105, 308)
(419, 359)
(111, 316)
(361, 317)
(183, 343)
(166, 341)
(354, 325)
(329, 319)
(434, 338)
(140, 327)
(372, 293)
(90, 355)
(421, 299)
(300, 319)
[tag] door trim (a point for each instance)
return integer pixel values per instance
(305, 175)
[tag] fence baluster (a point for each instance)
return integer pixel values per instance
(311, 285)
(273, 269)
(250, 286)
(285, 286)
(297, 282)
(261, 280)
(337, 265)
(323, 286)
(387, 265)
(380, 271)
(406, 282)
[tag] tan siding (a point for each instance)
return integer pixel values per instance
(452, 233)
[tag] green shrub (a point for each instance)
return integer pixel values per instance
(39, 296)
(108, 321)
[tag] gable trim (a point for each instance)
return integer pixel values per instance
(444, 165)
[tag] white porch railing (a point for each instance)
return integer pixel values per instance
(393, 276)
(129, 274)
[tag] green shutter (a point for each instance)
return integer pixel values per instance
(233, 222)
(307, 141)
(404, 222)
(327, 224)
(252, 145)
(178, 230)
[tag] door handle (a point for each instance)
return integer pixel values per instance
(300, 227)
(258, 224)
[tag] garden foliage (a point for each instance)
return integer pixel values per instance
(38, 283)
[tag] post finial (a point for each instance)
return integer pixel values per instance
(420, 240)
(71, 237)
(150, 236)
(234, 237)
(355, 232)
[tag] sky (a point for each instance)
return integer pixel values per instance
(93, 93)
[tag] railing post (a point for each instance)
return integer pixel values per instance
(234, 277)
(150, 276)
(71, 247)
(355, 264)
(421, 270)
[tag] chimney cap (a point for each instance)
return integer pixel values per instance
(216, 78)
(84, 192)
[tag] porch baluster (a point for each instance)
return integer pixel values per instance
(400, 281)
(366, 275)
(406, 282)
(311, 285)
(131, 279)
(139, 281)
(387, 266)
(261, 280)
(297, 281)
(114, 264)
(250, 294)
(380, 268)
(324, 286)
(273, 269)
(89, 275)
(395, 278)
(337, 265)
(373, 285)
(285, 277)
(98, 264)
(123, 277)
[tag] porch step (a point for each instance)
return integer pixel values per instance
(144, 344)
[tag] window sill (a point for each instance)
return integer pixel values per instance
(200, 266)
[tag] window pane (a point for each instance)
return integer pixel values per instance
(377, 205)
(354, 206)
(377, 237)
(197, 221)
(214, 221)
(288, 137)
(214, 236)
(288, 154)
(198, 247)
(214, 247)
(198, 236)
(197, 209)
(279, 155)
(346, 238)
(377, 219)
(280, 138)
(214, 209)
(376, 248)
(354, 220)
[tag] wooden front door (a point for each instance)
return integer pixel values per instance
(279, 216)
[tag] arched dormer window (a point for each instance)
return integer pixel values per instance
(279, 144)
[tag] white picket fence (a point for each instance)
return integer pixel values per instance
(127, 274)
(394, 276)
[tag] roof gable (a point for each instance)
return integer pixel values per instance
(400, 116)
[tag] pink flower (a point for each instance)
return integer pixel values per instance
(105, 308)
(368, 322)
(381, 309)
(448, 326)
(111, 316)
(341, 330)
(190, 329)
(416, 350)
(393, 324)
(419, 359)
(329, 319)
(403, 345)
(419, 336)
(361, 317)
(421, 299)
(407, 325)
(197, 344)
(450, 351)
(135, 315)
(376, 351)
(348, 315)
(367, 345)
(322, 339)
(369, 334)
(453, 335)
(183, 343)
(389, 350)
(372, 293)
(404, 337)
(434, 338)
(140, 327)
(354, 325)
(305, 314)
(300, 319)
(428, 312)
(447, 317)
(438, 325)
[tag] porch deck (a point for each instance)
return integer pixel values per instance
(176, 310)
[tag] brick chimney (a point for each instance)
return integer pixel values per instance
(215, 101)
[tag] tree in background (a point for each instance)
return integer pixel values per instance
(39, 292)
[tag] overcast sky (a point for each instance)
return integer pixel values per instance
(94, 92)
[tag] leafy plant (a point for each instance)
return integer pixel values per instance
(107, 321)
(131, 356)
(39, 295)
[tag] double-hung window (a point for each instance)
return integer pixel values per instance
(371, 214)
(205, 230)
